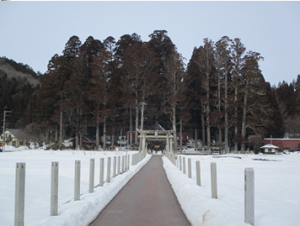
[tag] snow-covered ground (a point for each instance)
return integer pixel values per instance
(37, 186)
(277, 190)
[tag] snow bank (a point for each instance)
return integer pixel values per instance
(199, 209)
(83, 212)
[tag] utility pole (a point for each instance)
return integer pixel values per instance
(4, 137)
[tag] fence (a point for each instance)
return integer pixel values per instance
(180, 162)
(121, 164)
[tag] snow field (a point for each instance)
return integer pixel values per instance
(276, 182)
(37, 186)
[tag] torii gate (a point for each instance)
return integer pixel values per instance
(158, 134)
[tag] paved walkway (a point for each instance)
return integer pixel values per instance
(146, 200)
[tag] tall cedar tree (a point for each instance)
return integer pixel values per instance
(174, 76)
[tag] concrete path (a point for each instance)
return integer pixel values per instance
(146, 200)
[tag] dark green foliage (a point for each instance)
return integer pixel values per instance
(256, 150)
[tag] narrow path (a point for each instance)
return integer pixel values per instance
(146, 200)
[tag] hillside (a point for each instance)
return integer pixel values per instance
(18, 71)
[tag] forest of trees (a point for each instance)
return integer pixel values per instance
(100, 87)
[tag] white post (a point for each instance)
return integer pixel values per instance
(184, 165)
(198, 173)
(144, 144)
(108, 169)
(54, 189)
(128, 162)
(20, 194)
(180, 162)
(123, 164)
(101, 171)
(92, 175)
(168, 143)
(114, 166)
(119, 162)
(249, 196)
(213, 171)
(77, 181)
(190, 167)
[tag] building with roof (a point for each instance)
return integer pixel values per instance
(14, 137)
(288, 144)
(269, 149)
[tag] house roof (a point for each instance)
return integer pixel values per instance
(157, 126)
(270, 146)
(19, 134)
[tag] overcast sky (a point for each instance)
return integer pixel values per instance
(32, 32)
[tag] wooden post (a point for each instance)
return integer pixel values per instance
(77, 181)
(249, 196)
(54, 189)
(213, 170)
(20, 194)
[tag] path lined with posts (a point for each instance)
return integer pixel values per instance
(147, 199)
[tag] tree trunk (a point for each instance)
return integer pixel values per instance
(60, 129)
(180, 135)
(203, 129)
(77, 142)
(235, 118)
(208, 127)
(196, 138)
(226, 116)
(243, 148)
(97, 135)
(136, 122)
(174, 129)
(113, 138)
(130, 127)
(104, 134)
(80, 136)
(56, 134)
(219, 114)
(207, 112)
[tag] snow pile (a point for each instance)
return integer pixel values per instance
(199, 209)
(83, 212)
(277, 187)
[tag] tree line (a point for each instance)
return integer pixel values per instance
(130, 83)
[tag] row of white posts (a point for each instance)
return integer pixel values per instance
(249, 182)
(118, 168)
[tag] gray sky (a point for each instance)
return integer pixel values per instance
(32, 32)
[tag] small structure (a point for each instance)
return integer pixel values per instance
(270, 149)
(14, 137)
(285, 144)
(157, 137)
